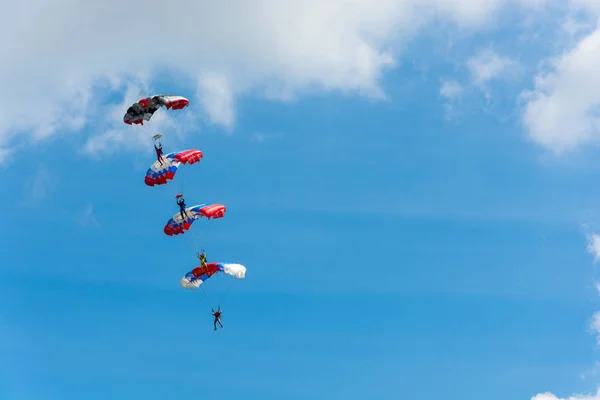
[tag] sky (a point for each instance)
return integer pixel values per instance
(412, 186)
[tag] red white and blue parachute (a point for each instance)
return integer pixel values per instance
(177, 225)
(159, 173)
(144, 109)
(199, 275)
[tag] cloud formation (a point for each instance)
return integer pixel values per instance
(66, 59)
(451, 89)
(593, 246)
(562, 111)
(215, 94)
(487, 65)
(550, 396)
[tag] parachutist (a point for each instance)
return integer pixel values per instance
(217, 315)
(181, 204)
(202, 258)
(159, 153)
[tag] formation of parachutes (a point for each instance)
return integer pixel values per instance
(163, 170)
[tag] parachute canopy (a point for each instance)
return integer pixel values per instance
(177, 225)
(144, 109)
(199, 275)
(159, 173)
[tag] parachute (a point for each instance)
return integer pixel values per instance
(177, 225)
(159, 173)
(144, 109)
(196, 277)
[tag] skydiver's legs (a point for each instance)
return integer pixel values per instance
(182, 213)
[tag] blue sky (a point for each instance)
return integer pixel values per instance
(409, 247)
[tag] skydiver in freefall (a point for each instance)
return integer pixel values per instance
(217, 315)
(181, 204)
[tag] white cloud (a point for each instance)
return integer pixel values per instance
(483, 67)
(487, 66)
(550, 396)
(451, 89)
(216, 96)
(589, 5)
(60, 52)
(593, 246)
(562, 112)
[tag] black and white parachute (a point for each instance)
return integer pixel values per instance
(144, 109)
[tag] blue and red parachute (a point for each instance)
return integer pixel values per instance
(161, 172)
(199, 275)
(177, 225)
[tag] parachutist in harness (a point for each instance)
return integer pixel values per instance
(159, 153)
(181, 204)
(217, 315)
(202, 258)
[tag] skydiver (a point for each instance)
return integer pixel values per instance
(217, 315)
(202, 258)
(181, 204)
(159, 153)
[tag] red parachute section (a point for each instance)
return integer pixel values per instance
(188, 156)
(213, 211)
(208, 270)
(172, 102)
